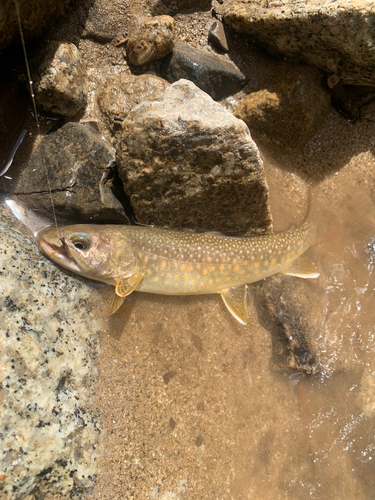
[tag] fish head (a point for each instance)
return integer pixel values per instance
(99, 252)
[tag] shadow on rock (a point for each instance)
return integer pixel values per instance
(337, 142)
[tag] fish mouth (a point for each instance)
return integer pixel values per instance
(60, 255)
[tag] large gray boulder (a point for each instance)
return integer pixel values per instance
(185, 161)
(49, 338)
(337, 37)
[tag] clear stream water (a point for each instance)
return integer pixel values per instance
(193, 404)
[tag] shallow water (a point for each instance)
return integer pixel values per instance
(194, 407)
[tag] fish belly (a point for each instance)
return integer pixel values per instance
(187, 278)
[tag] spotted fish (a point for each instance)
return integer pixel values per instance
(154, 260)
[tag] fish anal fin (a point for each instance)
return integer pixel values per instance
(302, 268)
(126, 286)
(236, 300)
(115, 304)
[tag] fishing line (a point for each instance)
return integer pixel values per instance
(34, 105)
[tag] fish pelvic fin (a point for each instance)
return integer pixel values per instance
(236, 300)
(302, 268)
(115, 304)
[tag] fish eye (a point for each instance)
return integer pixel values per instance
(81, 241)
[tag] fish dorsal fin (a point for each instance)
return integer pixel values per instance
(302, 268)
(115, 304)
(127, 285)
(236, 300)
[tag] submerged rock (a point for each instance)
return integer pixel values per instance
(185, 161)
(120, 93)
(285, 307)
(289, 110)
(60, 79)
(337, 37)
(209, 72)
(153, 40)
(50, 341)
(81, 175)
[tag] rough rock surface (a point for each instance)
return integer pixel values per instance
(153, 40)
(209, 72)
(60, 79)
(337, 37)
(284, 306)
(80, 166)
(120, 93)
(49, 344)
(36, 17)
(185, 161)
(289, 110)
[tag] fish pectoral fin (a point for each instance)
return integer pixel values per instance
(126, 286)
(115, 304)
(236, 300)
(302, 268)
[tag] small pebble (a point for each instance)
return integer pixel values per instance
(217, 36)
(153, 40)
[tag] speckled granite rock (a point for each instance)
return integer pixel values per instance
(214, 75)
(185, 161)
(120, 93)
(152, 40)
(36, 17)
(337, 37)
(80, 167)
(289, 110)
(60, 79)
(49, 344)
